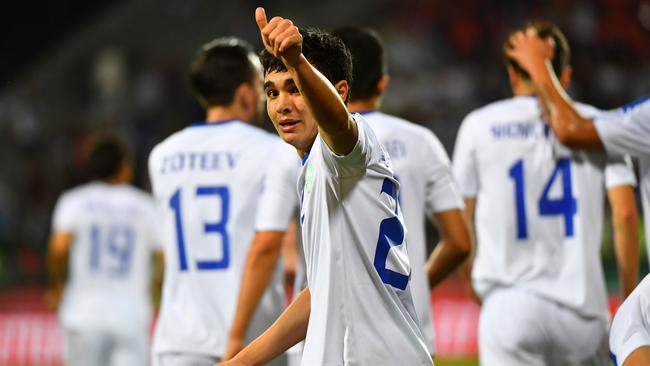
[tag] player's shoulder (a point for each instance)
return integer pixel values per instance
(137, 194)
(78, 192)
(587, 110)
(78, 195)
(397, 126)
(169, 142)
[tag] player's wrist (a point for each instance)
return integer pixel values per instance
(541, 71)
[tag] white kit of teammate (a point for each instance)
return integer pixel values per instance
(538, 218)
(107, 299)
(623, 131)
(211, 190)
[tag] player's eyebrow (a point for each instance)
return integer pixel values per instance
(268, 85)
(287, 83)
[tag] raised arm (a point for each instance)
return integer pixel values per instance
(324, 100)
(534, 55)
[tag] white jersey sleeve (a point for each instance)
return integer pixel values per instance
(626, 130)
(631, 325)
(65, 214)
(619, 172)
(354, 163)
(442, 192)
(278, 202)
(464, 163)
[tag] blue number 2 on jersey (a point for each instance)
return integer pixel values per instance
(566, 206)
(208, 227)
(391, 232)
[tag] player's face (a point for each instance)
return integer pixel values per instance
(287, 110)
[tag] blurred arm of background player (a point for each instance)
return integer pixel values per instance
(290, 254)
(625, 223)
(57, 265)
(454, 247)
(157, 276)
(258, 270)
(466, 269)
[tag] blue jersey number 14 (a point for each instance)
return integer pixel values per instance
(566, 206)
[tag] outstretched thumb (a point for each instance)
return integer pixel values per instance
(260, 18)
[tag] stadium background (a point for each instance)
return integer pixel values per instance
(70, 67)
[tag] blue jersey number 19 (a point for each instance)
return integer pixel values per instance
(111, 249)
(566, 206)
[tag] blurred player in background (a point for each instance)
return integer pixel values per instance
(538, 212)
(622, 131)
(211, 184)
(427, 186)
(358, 304)
(100, 259)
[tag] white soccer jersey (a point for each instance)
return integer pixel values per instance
(627, 131)
(207, 180)
(631, 325)
(539, 210)
(357, 266)
(426, 186)
(114, 235)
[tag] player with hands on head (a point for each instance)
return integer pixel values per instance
(358, 310)
(538, 209)
(625, 130)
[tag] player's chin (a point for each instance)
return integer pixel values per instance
(290, 138)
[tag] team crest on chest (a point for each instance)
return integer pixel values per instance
(309, 178)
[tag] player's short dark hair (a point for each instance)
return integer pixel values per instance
(368, 59)
(106, 155)
(545, 29)
(324, 51)
(220, 67)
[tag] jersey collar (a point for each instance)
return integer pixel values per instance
(214, 123)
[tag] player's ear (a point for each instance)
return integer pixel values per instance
(382, 84)
(342, 88)
(245, 97)
(565, 77)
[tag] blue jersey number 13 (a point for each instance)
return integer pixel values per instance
(208, 227)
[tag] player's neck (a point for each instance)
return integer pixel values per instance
(523, 89)
(363, 105)
(221, 113)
